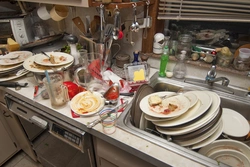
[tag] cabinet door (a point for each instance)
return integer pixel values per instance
(7, 146)
(108, 155)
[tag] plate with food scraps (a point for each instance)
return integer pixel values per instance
(87, 103)
(30, 65)
(166, 107)
(16, 57)
(55, 59)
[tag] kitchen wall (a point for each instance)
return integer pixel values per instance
(127, 17)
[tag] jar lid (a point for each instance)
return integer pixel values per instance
(122, 57)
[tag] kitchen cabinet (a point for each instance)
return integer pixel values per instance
(108, 155)
(8, 145)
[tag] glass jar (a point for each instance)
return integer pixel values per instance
(223, 60)
(184, 44)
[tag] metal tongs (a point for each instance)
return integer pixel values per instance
(116, 109)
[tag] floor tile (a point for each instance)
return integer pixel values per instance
(15, 159)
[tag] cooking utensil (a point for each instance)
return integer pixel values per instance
(135, 25)
(79, 24)
(117, 21)
(102, 23)
(13, 84)
(88, 33)
(116, 109)
(112, 94)
(145, 30)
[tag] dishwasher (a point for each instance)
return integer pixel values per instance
(55, 142)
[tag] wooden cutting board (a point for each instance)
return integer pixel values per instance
(79, 24)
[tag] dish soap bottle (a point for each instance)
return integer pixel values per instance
(164, 62)
(180, 68)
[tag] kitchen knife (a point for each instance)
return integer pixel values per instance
(13, 84)
(116, 109)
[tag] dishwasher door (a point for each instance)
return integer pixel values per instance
(56, 142)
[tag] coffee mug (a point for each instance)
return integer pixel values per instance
(43, 13)
(59, 12)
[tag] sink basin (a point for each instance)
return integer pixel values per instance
(235, 99)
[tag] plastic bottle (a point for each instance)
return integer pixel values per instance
(164, 62)
(180, 68)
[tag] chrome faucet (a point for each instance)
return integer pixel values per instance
(211, 77)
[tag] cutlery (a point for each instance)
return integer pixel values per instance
(116, 109)
(45, 54)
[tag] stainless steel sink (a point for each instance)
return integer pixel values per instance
(232, 98)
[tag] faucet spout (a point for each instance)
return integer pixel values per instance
(211, 77)
(225, 81)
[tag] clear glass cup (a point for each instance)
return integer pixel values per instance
(90, 69)
(108, 120)
(58, 93)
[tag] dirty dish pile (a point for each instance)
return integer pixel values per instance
(199, 124)
(11, 65)
(230, 152)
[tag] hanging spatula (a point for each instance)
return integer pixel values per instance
(79, 24)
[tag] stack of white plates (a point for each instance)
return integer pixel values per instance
(198, 126)
(39, 63)
(11, 65)
(230, 152)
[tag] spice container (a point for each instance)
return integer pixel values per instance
(184, 44)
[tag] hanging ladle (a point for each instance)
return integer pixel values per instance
(135, 25)
(117, 21)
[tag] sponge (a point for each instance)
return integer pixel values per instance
(12, 45)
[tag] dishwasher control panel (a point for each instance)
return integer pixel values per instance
(69, 136)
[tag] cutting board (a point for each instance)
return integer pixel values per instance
(79, 24)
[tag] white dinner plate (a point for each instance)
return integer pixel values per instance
(76, 102)
(192, 98)
(4, 69)
(11, 77)
(202, 136)
(200, 108)
(60, 59)
(210, 139)
(155, 119)
(234, 123)
(209, 115)
(230, 157)
(30, 65)
(180, 100)
(225, 144)
(21, 56)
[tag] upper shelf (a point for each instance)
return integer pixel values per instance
(120, 5)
